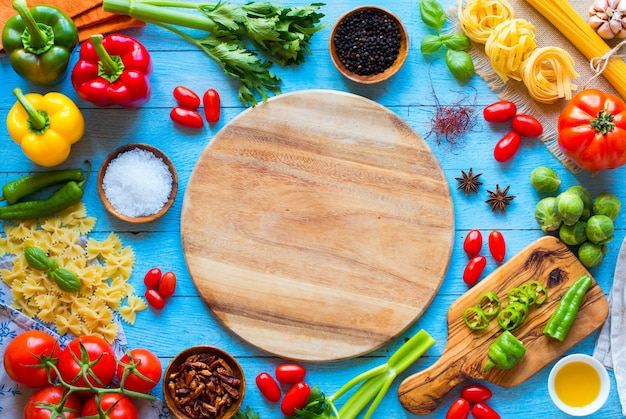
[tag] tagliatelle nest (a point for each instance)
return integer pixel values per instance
(509, 45)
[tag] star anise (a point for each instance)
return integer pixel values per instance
(469, 182)
(499, 199)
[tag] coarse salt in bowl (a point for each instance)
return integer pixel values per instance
(137, 183)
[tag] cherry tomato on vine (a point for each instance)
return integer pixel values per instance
(212, 107)
(152, 278)
(527, 125)
(473, 243)
(143, 372)
(268, 387)
(167, 286)
(155, 299)
(52, 395)
(25, 352)
(186, 97)
(460, 409)
(482, 411)
(507, 146)
(476, 393)
(501, 111)
(121, 407)
(474, 269)
(290, 373)
(186, 117)
(497, 245)
(295, 398)
(95, 347)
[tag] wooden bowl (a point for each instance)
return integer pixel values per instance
(230, 361)
(138, 219)
(372, 78)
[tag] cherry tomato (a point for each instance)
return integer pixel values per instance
(497, 246)
(268, 387)
(212, 107)
(155, 299)
(186, 117)
(501, 111)
(482, 411)
(475, 393)
(290, 373)
(473, 243)
(25, 352)
(527, 125)
(186, 97)
(295, 398)
(507, 146)
(460, 409)
(144, 371)
(152, 278)
(52, 395)
(121, 407)
(167, 286)
(95, 347)
(474, 269)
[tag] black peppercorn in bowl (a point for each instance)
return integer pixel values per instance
(368, 44)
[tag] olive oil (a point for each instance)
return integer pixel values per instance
(577, 384)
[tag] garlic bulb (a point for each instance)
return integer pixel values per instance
(608, 18)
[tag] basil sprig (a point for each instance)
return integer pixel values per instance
(65, 279)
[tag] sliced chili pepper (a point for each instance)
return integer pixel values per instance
(475, 318)
(509, 318)
(563, 317)
(541, 293)
(489, 303)
(530, 292)
(518, 295)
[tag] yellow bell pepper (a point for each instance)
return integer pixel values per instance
(45, 126)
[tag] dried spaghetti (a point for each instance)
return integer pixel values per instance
(548, 74)
(480, 17)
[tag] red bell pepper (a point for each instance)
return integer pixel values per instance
(113, 70)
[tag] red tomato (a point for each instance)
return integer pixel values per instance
(501, 111)
(212, 107)
(155, 299)
(527, 125)
(102, 372)
(460, 409)
(152, 278)
(143, 370)
(290, 373)
(475, 393)
(121, 407)
(497, 246)
(186, 97)
(186, 117)
(295, 398)
(482, 411)
(167, 286)
(52, 394)
(507, 146)
(473, 243)
(474, 269)
(25, 352)
(268, 387)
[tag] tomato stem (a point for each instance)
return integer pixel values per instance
(604, 122)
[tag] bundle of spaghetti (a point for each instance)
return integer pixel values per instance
(583, 37)
(508, 45)
(480, 17)
(548, 73)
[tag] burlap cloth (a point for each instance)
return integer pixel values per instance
(547, 35)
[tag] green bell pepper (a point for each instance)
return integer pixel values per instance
(39, 42)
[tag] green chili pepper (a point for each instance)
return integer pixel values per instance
(505, 352)
(27, 185)
(489, 303)
(518, 295)
(541, 293)
(563, 317)
(510, 317)
(475, 318)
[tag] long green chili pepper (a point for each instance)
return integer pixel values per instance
(563, 317)
(27, 185)
(505, 352)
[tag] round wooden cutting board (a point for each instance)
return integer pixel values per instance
(317, 226)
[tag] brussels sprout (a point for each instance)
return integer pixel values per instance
(607, 204)
(574, 234)
(569, 207)
(599, 229)
(585, 196)
(546, 215)
(545, 179)
(591, 254)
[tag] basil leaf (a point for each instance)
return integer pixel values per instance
(430, 44)
(460, 64)
(66, 280)
(432, 14)
(36, 258)
(457, 41)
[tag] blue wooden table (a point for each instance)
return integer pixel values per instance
(187, 321)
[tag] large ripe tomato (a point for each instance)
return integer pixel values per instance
(87, 349)
(592, 130)
(25, 352)
(52, 395)
(144, 370)
(121, 407)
